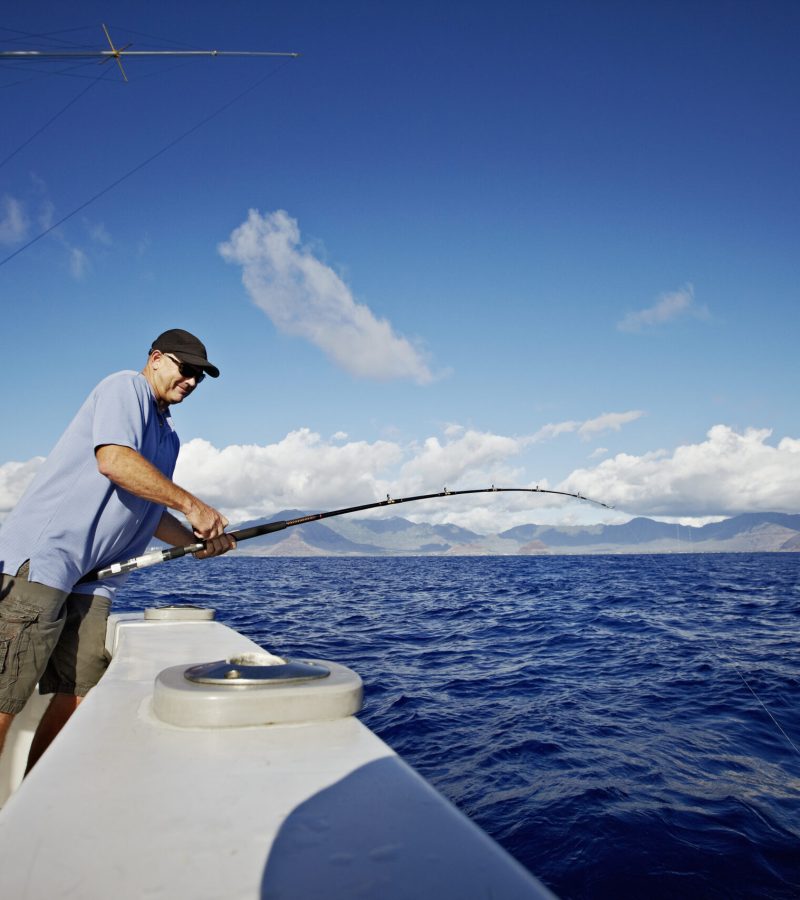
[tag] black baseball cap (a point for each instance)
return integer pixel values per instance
(187, 348)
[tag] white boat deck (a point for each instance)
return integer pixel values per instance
(125, 805)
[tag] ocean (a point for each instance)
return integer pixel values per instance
(625, 726)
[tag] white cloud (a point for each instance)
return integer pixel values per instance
(99, 233)
(300, 471)
(589, 428)
(305, 297)
(37, 210)
(14, 221)
(607, 422)
(668, 307)
(14, 480)
(728, 473)
(78, 261)
(597, 452)
(554, 429)
(481, 455)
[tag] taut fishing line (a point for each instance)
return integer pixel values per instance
(746, 683)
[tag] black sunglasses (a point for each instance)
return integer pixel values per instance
(188, 371)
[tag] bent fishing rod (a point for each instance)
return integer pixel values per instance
(158, 556)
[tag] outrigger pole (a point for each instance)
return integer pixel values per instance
(118, 52)
(158, 556)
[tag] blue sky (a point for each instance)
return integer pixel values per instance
(523, 243)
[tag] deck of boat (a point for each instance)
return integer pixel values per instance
(128, 805)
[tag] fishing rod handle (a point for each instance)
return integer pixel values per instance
(141, 562)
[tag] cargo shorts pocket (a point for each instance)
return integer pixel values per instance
(15, 637)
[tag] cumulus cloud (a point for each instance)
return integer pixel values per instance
(589, 428)
(14, 221)
(729, 473)
(14, 480)
(668, 307)
(251, 481)
(304, 297)
(303, 471)
(478, 453)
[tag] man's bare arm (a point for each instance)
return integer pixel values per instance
(131, 471)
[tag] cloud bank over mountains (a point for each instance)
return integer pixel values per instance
(727, 473)
(304, 297)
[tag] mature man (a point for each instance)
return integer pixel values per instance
(99, 498)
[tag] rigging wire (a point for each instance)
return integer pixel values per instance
(161, 40)
(45, 34)
(52, 36)
(67, 71)
(53, 118)
(217, 112)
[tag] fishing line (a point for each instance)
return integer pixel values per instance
(725, 658)
(147, 161)
(758, 699)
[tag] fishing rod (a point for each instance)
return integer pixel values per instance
(158, 556)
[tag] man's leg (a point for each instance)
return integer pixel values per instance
(31, 619)
(61, 707)
(5, 723)
(75, 666)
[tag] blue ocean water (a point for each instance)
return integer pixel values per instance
(625, 726)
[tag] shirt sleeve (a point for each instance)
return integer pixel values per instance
(120, 413)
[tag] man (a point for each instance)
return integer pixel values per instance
(99, 498)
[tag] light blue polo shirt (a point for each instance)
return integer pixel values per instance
(72, 519)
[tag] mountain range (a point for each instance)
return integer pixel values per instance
(396, 536)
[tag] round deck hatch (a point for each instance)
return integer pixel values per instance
(255, 668)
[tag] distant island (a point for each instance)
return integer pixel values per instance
(396, 536)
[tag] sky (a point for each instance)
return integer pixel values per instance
(449, 245)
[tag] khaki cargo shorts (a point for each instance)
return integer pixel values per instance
(50, 637)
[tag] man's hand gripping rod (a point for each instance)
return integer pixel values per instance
(158, 556)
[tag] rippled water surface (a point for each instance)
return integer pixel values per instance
(624, 726)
